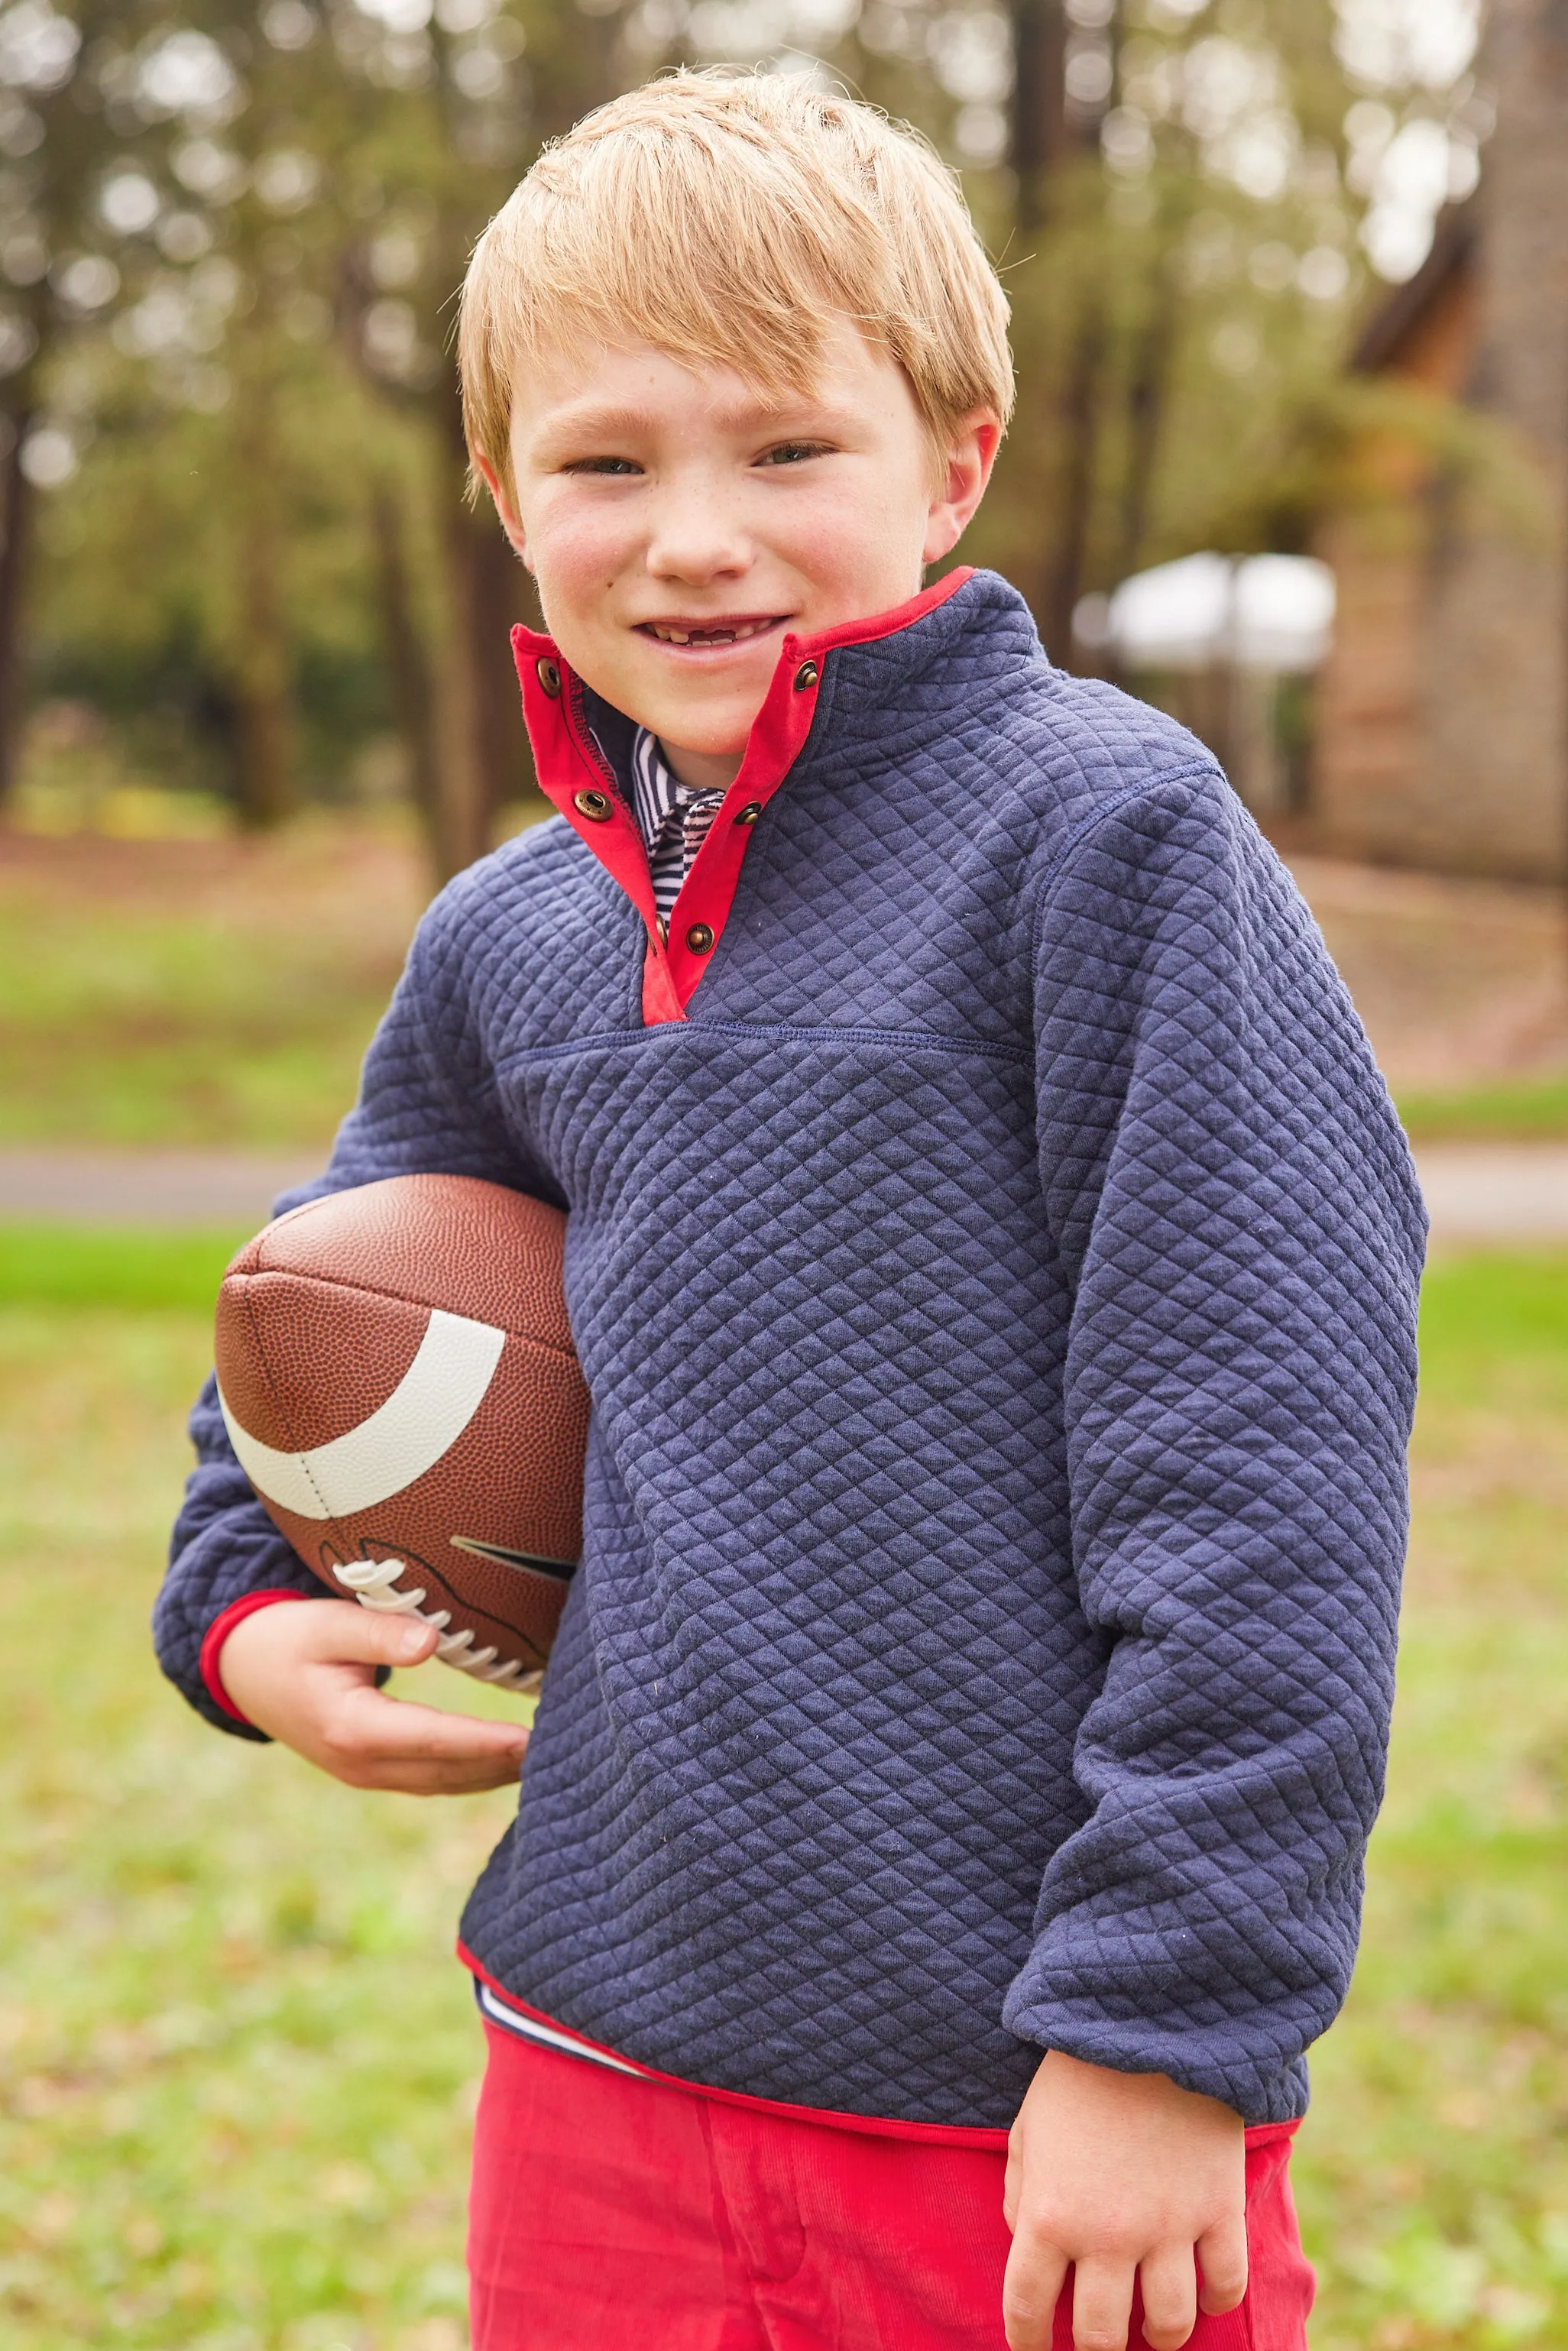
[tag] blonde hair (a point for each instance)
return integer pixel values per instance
(726, 220)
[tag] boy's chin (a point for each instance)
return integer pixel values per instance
(695, 724)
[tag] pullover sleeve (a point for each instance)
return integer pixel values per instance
(427, 1105)
(1237, 1214)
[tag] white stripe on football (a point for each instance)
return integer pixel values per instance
(424, 1416)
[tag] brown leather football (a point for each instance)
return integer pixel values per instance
(396, 1370)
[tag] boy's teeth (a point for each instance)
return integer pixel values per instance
(668, 636)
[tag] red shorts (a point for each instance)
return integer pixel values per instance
(622, 2210)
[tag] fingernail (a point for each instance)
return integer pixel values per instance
(411, 1640)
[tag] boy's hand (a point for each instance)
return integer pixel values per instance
(305, 1673)
(1126, 2175)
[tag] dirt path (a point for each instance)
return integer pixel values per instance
(1461, 982)
(1500, 1193)
(213, 1188)
(1503, 1193)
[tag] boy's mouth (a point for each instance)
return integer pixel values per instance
(698, 634)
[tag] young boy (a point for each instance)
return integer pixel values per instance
(993, 1259)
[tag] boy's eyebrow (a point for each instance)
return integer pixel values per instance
(592, 419)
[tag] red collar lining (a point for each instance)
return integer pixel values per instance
(565, 754)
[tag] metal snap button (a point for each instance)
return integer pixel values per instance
(699, 938)
(548, 677)
(749, 813)
(807, 675)
(595, 806)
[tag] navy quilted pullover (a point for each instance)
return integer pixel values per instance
(996, 1281)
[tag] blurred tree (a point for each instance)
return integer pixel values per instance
(233, 232)
(229, 324)
(457, 116)
(265, 174)
(1182, 308)
(70, 184)
(1036, 111)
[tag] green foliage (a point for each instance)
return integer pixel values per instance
(1520, 1110)
(119, 1267)
(238, 2063)
(238, 2059)
(225, 996)
(155, 501)
(1495, 1327)
(277, 358)
(1433, 2175)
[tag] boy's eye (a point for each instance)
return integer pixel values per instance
(793, 452)
(603, 465)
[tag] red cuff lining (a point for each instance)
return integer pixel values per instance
(218, 1632)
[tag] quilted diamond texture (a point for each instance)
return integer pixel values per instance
(996, 1298)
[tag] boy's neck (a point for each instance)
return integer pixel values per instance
(700, 772)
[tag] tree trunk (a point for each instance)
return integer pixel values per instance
(1079, 446)
(412, 686)
(1146, 398)
(17, 524)
(499, 593)
(264, 720)
(484, 762)
(461, 831)
(266, 750)
(460, 823)
(1037, 128)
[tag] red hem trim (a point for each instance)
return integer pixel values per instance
(566, 764)
(217, 1633)
(829, 2117)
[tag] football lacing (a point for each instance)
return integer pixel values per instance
(372, 1582)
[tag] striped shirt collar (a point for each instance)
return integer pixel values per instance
(655, 792)
(673, 818)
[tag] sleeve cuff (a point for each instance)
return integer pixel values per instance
(217, 1633)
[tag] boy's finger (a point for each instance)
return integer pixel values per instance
(1036, 2273)
(344, 1633)
(1222, 2260)
(1102, 2305)
(1013, 2180)
(1169, 2282)
(468, 1779)
(398, 1730)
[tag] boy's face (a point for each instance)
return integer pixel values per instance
(680, 521)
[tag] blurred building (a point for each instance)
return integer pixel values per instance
(1441, 728)
(1228, 646)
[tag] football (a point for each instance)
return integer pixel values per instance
(396, 1371)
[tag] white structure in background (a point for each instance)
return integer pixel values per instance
(1213, 638)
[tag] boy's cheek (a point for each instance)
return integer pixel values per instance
(577, 561)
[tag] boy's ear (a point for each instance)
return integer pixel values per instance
(971, 454)
(503, 509)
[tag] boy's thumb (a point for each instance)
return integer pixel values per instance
(389, 1639)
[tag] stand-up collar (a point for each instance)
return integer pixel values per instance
(580, 781)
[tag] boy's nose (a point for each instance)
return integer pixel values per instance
(696, 539)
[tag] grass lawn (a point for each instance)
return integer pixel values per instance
(238, 2062)
(199, 992)
(222, 992)
(1526, 1110)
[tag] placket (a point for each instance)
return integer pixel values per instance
(579, 782)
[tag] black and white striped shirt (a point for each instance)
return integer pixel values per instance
(672, 817)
